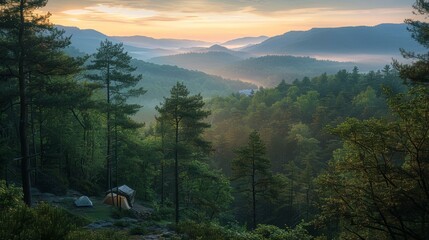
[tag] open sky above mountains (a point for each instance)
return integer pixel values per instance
(220, 20)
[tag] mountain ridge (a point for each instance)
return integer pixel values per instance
(383, 38)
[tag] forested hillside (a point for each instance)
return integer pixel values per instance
(271, 70)
(337, 155)
(159, 79)
(263, 71)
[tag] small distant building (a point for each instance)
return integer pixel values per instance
(247, 92)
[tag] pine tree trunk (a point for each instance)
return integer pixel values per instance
(108, 150)
(116, 159)
(34, 146)
(162, 182)
(253, 193)
(23, 119)
(162, 163)
(41, 144)
(176, 172)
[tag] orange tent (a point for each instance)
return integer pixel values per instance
(116, 200)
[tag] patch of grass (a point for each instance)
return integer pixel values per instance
(97, 235)
(138, 230)
(98, 212)
(121, 213)
(121, 223)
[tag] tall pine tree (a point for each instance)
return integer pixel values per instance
(31, 48)
(111, 67)
(185, 115)
(253, 168)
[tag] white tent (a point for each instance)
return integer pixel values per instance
(83, 201)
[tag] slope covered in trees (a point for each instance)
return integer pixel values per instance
(159, 79)
(265, 71)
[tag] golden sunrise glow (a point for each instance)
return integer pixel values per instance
(215, 24)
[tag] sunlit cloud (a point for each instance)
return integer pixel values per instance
(103, 11)
(74, 20)
(122, 12)
(77, 12)
(224, 19)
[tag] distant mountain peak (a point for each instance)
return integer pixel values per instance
(243, 41)
(217, 47)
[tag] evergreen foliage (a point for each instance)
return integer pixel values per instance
(418, 70)
(31, 53)
(184, 115)
(252, 167)
(111, 66)
(370, 187)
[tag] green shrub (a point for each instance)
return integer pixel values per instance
(270, 232)
(118, 213)
(42, 222)
(121, 224)
(213, 231)
(10, 196)
(162, 212)
(16, 223)
(55, 223)
(275, 233)
(138, 230)
(96, 235)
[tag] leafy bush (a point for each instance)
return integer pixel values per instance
(42, 222)
(275, 233)
(162, 212)
(96, 235)
(138, 230)
(46, 222)
(213, 231)
(10, 196)
(118, 213)
(15, 223)
(55, 223)
(270, 232)
(121, 224)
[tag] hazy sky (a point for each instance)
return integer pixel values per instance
(219, 20)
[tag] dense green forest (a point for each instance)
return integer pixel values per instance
(336, 156)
